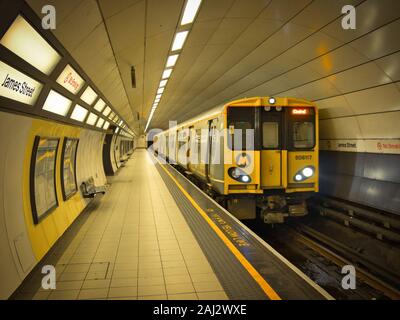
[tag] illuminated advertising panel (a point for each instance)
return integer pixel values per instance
(71, 80)
(22, 39)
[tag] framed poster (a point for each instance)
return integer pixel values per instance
(68, 170)
(42, 177)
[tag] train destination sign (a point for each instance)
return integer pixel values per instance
(17, 86)
(71, 80)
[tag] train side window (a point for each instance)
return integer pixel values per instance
(270, 135)
(42, 177)
(68, 173)
(303, 134)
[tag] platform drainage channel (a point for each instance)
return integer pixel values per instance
(234, 278)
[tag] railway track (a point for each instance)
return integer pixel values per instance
(322, 256)
(341, 255)
(336, 234)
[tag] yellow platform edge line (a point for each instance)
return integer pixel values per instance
(268, 290)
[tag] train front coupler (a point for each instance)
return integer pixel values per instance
(275, 209)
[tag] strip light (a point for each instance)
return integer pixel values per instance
(192, 6)
(179, 40)
(189, 14)
(167, 73)
(172, 60)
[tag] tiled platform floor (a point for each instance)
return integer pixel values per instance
(135, 245)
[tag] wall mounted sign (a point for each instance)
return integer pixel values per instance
(22, 39)
(71, 80)
(362, 145)
(89, 96)
(57, 103)
(17, 86)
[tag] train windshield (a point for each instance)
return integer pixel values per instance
(303, 128)
(303, 134)
(241, 128)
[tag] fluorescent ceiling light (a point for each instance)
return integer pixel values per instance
(22, 39)
(99, 106)
(167, 73)
(106, 125)
(171, 61)
(100, 123)
(192, 6)
(106, 111)
(79, 113)
(179, 40)
(56, 103)
(157, 100)
(112, 115)
(159, 96)
(89, 96)
(163, 83)
(92, 119)
(160, 90)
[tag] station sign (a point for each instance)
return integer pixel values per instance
(71, 80)
(391, 146)
(17, 86)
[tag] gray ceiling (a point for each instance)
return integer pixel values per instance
(240, 48)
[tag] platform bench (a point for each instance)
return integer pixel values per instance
(89, 190)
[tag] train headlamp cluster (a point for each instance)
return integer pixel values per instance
(304, 173)
(239, 175)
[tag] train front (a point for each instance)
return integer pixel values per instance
(272, 157)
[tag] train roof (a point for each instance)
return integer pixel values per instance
(252, 101)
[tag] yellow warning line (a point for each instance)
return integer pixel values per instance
(245, 263)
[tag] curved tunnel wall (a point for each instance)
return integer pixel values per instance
(22, 243)
(366, 178)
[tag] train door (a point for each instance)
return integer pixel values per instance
(211, 145)
(190, 146)
(272, 156)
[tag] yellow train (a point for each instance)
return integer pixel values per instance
(255, 155)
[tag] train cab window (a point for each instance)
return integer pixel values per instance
(270, 135)
(42, 177)
(303, 134)
(69, 186)
(241, 128)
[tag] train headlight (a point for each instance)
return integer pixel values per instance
(298, 177)
(304, 173)
(239, 175)
(271, 100)
(308, 172)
